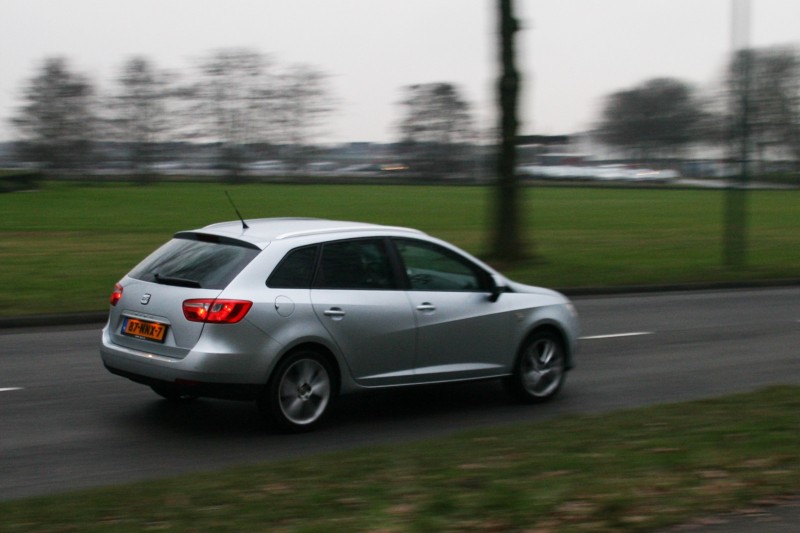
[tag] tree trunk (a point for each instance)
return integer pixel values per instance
(507, 243)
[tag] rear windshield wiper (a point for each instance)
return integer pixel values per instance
(179, 282)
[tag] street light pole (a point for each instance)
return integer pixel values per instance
(735, 246)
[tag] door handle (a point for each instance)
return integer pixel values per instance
(335, 313)
(426, 307)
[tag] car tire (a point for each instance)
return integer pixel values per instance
(300, 392)
(540, 368)
(173, 394)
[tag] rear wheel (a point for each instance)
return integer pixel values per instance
(540, 369)
(300, 392)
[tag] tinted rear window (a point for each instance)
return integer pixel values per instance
(211, 265)
(295, 270)
(356, 264)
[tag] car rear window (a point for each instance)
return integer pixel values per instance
(196, 261)
(295, 270)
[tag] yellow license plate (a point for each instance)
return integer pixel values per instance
(142, 329)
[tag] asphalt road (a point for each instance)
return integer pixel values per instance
(66, 423)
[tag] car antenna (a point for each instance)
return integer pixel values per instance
(244, 224)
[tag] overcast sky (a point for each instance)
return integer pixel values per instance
(572, 53)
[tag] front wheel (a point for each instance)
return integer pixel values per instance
(300, 391)
(540, 369)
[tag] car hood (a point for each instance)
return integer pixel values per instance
(532, 289)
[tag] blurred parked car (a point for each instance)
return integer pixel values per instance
(293, 312)
(266, 166)
(598, 173)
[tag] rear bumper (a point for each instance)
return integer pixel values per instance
(230, 372)
(225, 391)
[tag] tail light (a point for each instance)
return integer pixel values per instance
(216, 311)
(116, 295)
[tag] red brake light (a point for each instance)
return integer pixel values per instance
(116, 295)
(216, 311)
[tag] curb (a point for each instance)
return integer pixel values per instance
(69, 319)
(679, 287)
(99, 317)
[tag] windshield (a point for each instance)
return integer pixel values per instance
(188, 262)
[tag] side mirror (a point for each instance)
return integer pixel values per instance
(495, 289)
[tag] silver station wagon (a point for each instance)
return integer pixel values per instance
(292, 312)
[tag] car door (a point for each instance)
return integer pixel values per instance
(356, 297)
(461, 332)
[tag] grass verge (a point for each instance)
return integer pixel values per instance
(627, 471)
(64, 246)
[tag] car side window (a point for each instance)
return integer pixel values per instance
(296, 269)
(355, 264)
(430, 267)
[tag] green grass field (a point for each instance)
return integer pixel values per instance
(63, 247)
(636, 470)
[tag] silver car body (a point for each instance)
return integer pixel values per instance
(378, 338)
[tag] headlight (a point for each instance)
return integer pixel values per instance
(572, 310)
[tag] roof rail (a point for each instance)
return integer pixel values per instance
(346, 229)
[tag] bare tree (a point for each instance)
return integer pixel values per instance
(235, 95)
(436, 125)
(655, 119)
(55, 124)
(142, 114)
(300, 104)
(773, 100)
